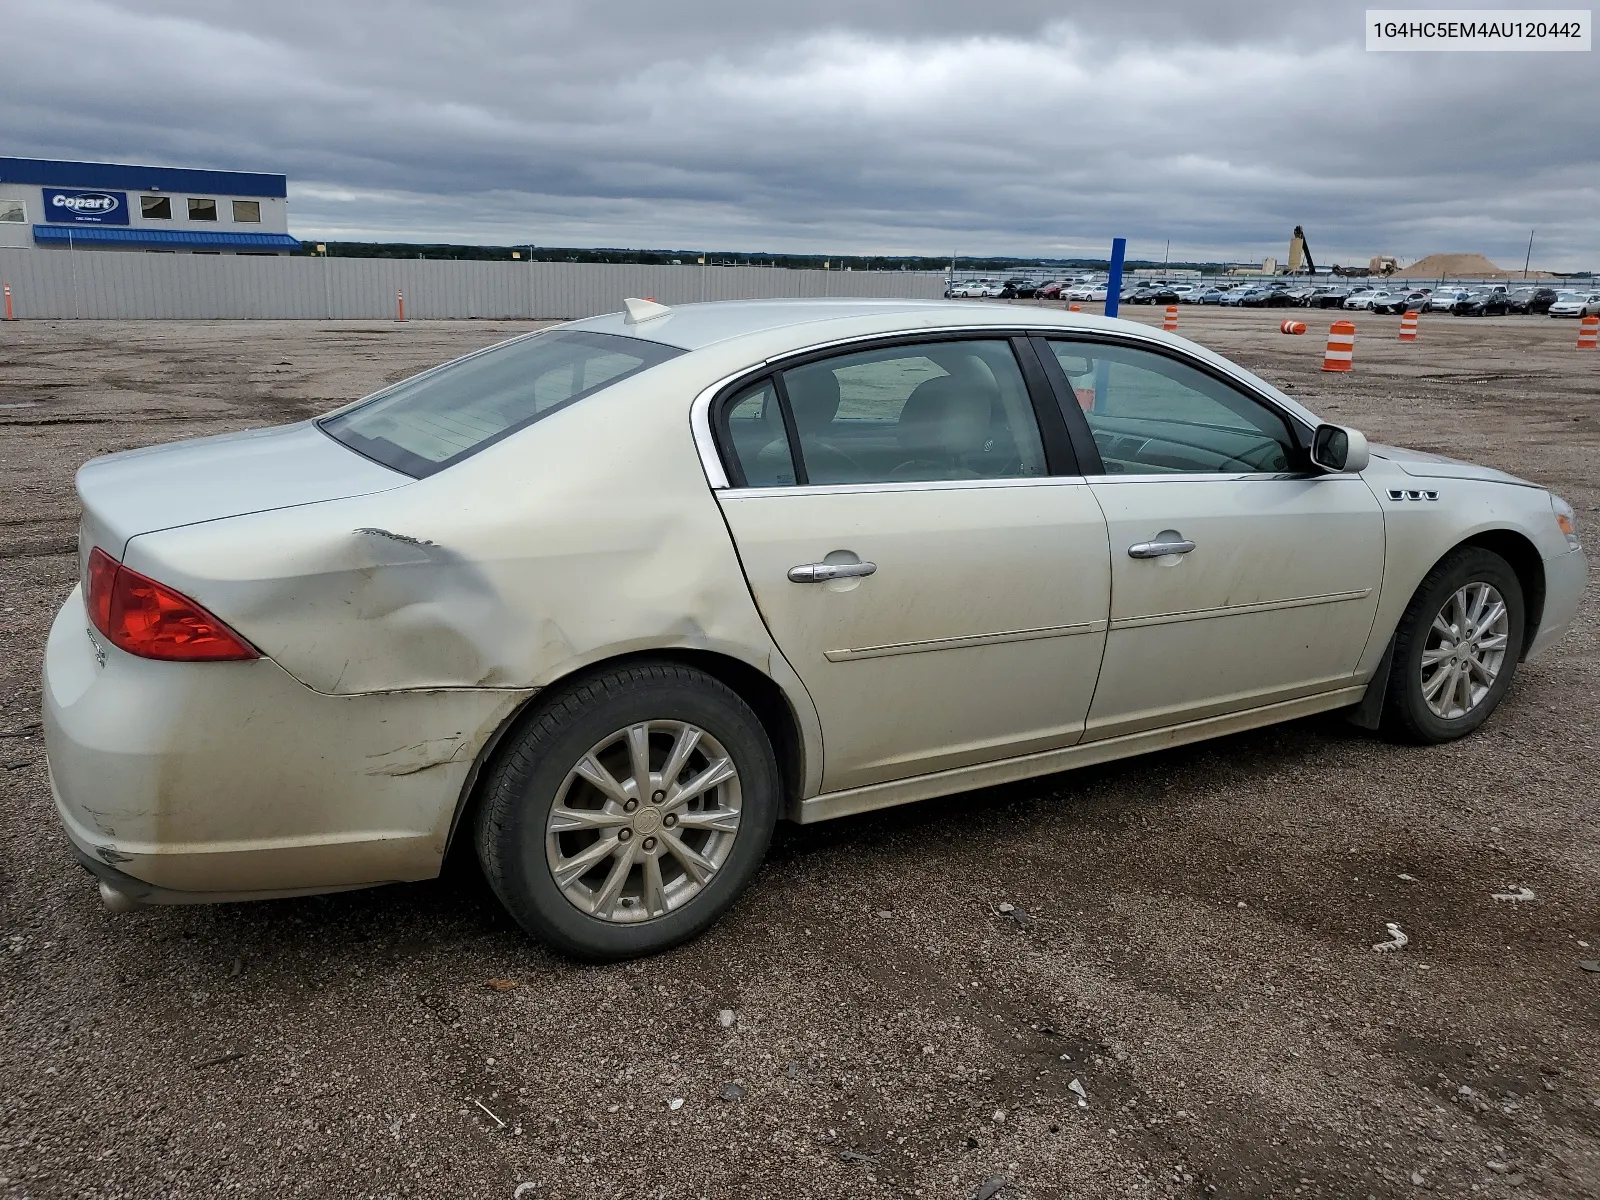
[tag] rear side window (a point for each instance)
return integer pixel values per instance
(943, 410)
(426, 423)
(758, 439)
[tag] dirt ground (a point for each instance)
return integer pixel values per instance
(1190, 941)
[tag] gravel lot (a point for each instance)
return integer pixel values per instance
(1190, 940)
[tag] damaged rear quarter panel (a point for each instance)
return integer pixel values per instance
(589, 534)
(234, 777)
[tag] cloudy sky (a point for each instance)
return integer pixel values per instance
(831, 126)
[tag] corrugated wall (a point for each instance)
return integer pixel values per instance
(97, 284)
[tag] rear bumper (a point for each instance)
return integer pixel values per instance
(121, 891)
(232, 780)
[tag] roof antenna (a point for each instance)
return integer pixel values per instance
(642, 310)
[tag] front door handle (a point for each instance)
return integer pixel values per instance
(823, 571)
(1168, 541)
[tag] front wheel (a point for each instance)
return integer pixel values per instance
(629, 812)
(1456, 648)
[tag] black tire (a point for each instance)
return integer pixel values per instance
(528, 772)
(1407, 716)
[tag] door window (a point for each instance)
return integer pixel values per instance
(946, 410)
(1150, 414)
(757, 439)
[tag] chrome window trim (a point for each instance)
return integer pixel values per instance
(998, 331)
(915, 485)
(1206, 477)
(717, 474)
(700, 427)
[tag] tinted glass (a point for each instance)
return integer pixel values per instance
(938, 410)
(13, 211)
(202, 210)
(247, 210)
(439, 417)
(757, 438)
(1151, 414)
(155, 208)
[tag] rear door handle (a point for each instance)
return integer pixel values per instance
(1168, 541)
(823, 571)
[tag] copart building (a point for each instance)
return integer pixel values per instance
(167, 210)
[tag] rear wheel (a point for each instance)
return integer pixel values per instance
(629, 813)
(1456, 648)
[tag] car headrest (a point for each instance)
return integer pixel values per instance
(946, 417)
(813, 397)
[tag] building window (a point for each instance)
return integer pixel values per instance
(247, 210)
(202, 210)
(155, 208)
(13, 212)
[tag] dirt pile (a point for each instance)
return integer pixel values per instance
(1461, 266)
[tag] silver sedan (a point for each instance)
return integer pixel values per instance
(609, 600)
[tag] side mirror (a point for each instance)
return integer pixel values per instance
(1335, 448)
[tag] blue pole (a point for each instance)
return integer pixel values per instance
(1102, 370)
(1119, 248)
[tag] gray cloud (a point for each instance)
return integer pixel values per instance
(833, 127)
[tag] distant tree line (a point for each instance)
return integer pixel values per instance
(720, 258)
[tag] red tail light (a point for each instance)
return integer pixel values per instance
(151, 620)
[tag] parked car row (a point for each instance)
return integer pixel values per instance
(1476, 300)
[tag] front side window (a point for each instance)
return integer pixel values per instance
(201, 209)
(155, 208)
(247, 211)
(943, 410)
(432, 420)
(13, 212)
(1150, 414)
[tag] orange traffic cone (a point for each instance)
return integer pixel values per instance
(1341, 352)
(1171, 323)
(1292, 327)
(1588, 333)
(1408, 326)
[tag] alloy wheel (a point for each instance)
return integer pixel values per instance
(643, 821)
(1465, 650)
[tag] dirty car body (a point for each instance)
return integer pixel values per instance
(927, 546)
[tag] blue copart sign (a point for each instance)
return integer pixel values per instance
(85, 207)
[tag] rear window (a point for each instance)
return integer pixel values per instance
(426, 423)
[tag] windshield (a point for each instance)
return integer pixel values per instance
(426, 423)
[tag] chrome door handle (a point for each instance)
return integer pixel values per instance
(824, 571)
(1168, 541)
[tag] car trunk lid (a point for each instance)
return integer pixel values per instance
(206, 479)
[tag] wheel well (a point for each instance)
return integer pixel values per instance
(765, 697)
(757, 690)
(1524, 558)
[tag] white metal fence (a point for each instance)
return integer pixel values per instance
(97, 284)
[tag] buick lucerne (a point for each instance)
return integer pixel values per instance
(608, 600)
